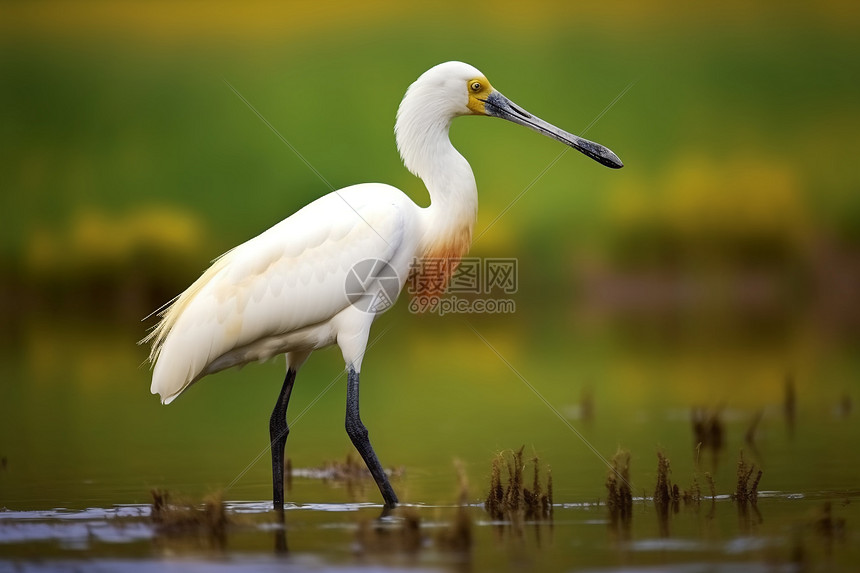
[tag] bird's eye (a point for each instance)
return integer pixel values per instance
(476, 87)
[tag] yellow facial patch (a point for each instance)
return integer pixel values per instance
(479, 89)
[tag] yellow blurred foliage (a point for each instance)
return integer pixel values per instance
(257, 20)
(95, 238)
(702, 199)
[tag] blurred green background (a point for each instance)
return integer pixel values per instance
(723, 258)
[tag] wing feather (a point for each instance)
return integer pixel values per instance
(287, 278)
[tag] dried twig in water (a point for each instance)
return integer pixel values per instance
(711, 485)
(351, 473)
(183, 517)
(619, 498)
(694, 494)
(514, 493)
(495, 499)
(662, 492)
(547, 499)
(665, 496)
(515, 501)
(532, 499)
(746, 491)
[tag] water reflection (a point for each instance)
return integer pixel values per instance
(421, 536)
(179, 524)
(76, 393)
(749, 516)
(280, 532)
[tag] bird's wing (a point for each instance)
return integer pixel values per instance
(289, 277)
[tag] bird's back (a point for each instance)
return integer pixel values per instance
(290, 277)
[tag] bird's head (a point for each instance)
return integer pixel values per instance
(453, 89)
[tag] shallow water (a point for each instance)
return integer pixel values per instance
(83, 443)
(779, 534)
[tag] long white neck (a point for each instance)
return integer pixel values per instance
(421, 130)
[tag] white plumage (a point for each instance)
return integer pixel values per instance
(283, 292)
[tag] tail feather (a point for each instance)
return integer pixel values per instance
(165, 381)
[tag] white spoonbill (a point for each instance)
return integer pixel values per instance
(283, 292)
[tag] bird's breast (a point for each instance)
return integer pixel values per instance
(430, 273)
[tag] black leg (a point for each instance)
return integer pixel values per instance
(278, 432)
(358, 434)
